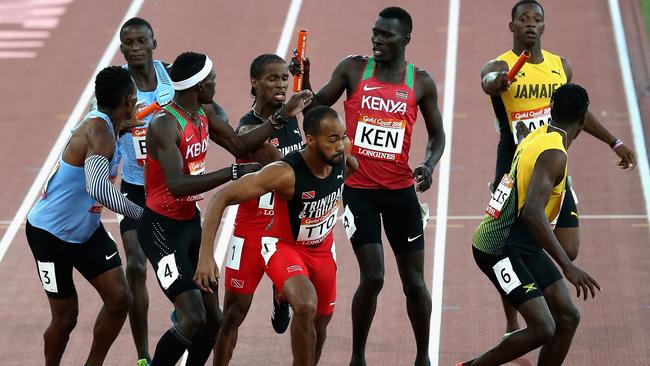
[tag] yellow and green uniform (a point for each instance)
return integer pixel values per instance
(529, 97)
(502, 226)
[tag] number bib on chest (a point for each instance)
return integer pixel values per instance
(379, 138)
(139, 135)
(499, 197)
(195, 168)
(533, 119)
(313, 231)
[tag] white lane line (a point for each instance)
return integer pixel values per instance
(75, 116)
(287, 29)
(443, 183)
(632, 102)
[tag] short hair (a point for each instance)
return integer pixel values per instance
(524, 2)
(186, 65)
(259, 63)
(569, 103)
(404, 18)
(313, 118)
(136, 22)
(112, 84)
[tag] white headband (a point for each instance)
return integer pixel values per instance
(196, 78)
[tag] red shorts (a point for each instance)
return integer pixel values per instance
(244, 264)
(317, 264)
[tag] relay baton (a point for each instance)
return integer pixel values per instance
(144, 112)
(518, 65)
(302, 50)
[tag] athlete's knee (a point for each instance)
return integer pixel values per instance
(65, 321)
(415, 289)
(542, 332)
(191, 323)
(568, 319)
(233, 317)
(372, 282)
(572, 252)
(305, 306)
(119, 302)
(136, 269)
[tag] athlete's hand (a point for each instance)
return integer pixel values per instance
(207, 273)
(422, 176)
(522, 130)
(294, 66)
(297, 103)
(628, 161)
(501, 81)
(581, 280)
(129, 124)
(245, 168)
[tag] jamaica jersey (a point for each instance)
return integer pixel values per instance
(528, 98)
(379, 119)
(502, 226)
(309, 216)
(193, 146)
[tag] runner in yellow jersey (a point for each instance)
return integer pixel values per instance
(511, 243)
(527, 99)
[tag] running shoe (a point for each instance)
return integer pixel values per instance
(142, 362)
(280, 315)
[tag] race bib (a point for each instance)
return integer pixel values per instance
(139, 135)
(167, 271)
(313, 231)
(234, 252)
(348, 222)
(379, 138)
(533, 119)
(499, 197)
(196, 167)
(48, 276)
(269, 246)
(265, 204)
(506, 276)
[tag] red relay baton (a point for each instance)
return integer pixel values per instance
(301, 50)
(518, 65)
(144, 112)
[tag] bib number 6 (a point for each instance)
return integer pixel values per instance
(506, 276)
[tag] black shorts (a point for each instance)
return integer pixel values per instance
(135, 194)
(568, 216)
(398, 208)
(518, 278)
(55, 259)
(172, 247)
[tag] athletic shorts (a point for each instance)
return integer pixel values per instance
(244, 264)
(518, 278)
(135, 194)
(398, 208)
(55, 259)
(284, 261)
(568, 216)
(172, 247)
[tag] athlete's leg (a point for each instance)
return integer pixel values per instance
(567, 318)
(418, 300)
(301, 294)
(512, 320)
(204, 340)
(364, 303)
(114, 291)
(567, 227)
(56, 336)
(540, 328)
(136, 276)
(235, 309)
(569, 238)
(321, 323)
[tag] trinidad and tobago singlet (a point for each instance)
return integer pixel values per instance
(379, 119)
(255, 215)
(193, 147)
(309, 216)
(529, 97)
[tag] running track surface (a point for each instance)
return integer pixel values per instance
(40, 93)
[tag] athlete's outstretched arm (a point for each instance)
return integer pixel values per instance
(162, 143)
(278, 177)
(239, 145)
(428, 103)
(548, 172)
(597, 130)
(494, 79)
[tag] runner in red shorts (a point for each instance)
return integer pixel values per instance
(298, 248)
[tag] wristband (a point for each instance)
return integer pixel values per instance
(277, 121)
(234, 171)
(616, 144)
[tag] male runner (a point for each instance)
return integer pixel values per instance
(527, 100)
(245, 266)
(511, 243)
(169, 230)
(384, 93)
(64, 228)
(151, 78)
(298, 249)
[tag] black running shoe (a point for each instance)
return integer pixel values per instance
(280, 316)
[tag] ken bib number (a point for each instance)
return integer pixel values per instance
(379, 138)
(499, 197)
(532, 119)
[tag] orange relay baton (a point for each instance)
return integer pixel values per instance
(518, 65)
(301, 50)
(144, 112)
